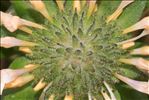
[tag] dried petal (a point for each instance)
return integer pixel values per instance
(77, 6)
(137, 85)
(140, 63)
(110, 91)
(25, 49)
(8, 42)
(119, 10)
(60, 4)
(40, 7)
(141, 51)
(143, 24)
(20, 81)
(92, 5)
(40, 85)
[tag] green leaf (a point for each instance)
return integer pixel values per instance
(147, 4)
(130, 71)
(24, 10)
(117, 95)
(131, 14)
(21, 8)
(19, 63)
(130, 94)
(23, 93)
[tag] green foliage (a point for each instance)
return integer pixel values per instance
(19, 63)
(131, 14)
(23, 93)
(128, 93)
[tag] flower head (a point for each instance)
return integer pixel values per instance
(81, 50)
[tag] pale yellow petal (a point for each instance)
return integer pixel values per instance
(137, 85)
(105, 95)
(51, 97)
(119, 10)
(40, 7)
(141, 51)
(25, 49)
(128, 45)
(77, 6)
(89, 96)
(40, 85)
(9, 75)
(142, 24)
(9, 21)
(8, 42)
(25, 29)
(140, 63)
(12, 23)
(42, 96)
(83, 2)
(20, 81)
(110, 91)
(30, 66)
(92, 5)
(60, 4)
(31, 24)
(68, 97)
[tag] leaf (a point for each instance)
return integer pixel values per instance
(130, 94)
(19, 63)
(21, 8)
(130, 71)
(23, 93)
(131, 14)
(147, 4)
(117, 95)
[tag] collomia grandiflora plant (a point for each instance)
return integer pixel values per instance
(81, 51)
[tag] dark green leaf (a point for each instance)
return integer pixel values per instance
(130, 94)
(23, 93)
